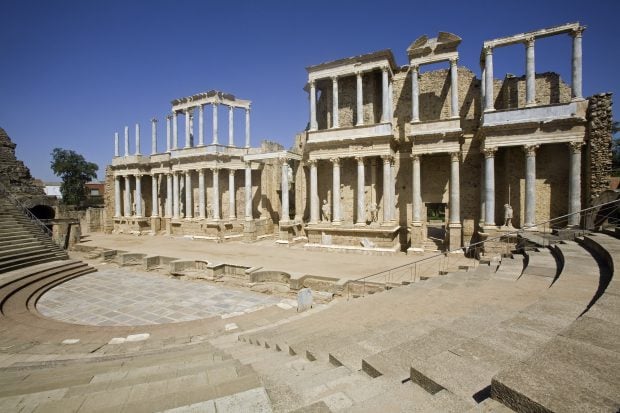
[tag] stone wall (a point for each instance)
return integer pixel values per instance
(598, 152)
(109, 201)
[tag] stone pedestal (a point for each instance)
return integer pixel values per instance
(156, 224)
(249, 230)
(454, 237)
(417, 238)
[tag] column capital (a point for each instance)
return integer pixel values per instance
(335, 160)
(387, 159)
(360, 159)
(415, 156)
(231, 172)
(168, 117)
(489, 152)
(415, 68)
(455, 156)
(247, 110)
(216, 170)
(384, 68)
(154, 120)
(454, 61)
(529, 41)
(359, 73)
(231, 107)
(311, 162)
(312, 83)
(334, 79)
(575, 147)
(247, 164)
(488, 50)
(578, 32)
(530, 150)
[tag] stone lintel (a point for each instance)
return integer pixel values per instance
(536, 34)
(350, 133)
(351, 65)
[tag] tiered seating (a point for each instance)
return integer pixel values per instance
(22, 242)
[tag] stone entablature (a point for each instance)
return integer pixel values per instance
(347, 134)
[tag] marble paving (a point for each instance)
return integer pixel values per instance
(112, 297)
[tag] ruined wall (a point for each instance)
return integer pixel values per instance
(598, 151)
(550, 89)
(108, 199)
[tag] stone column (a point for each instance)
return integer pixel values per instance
(231, 132)
(137, 139)
(232, 214)
(387, 192)
(455, 196)
(284, 215)
(138, 196)
(530, 73)
(577, 63)
(168, 143)
(530, 185)
(126, 140)
(313, 123)
(415, 94)
(482, 196)
(335, 114)
(169, 195)
(127, 211)
(116, 144)
(215, 138)
(385, 90)
(117, 197)
(416, 217)
(175, 131)
(489, 186)
(201, 193)
(373, 181)
(574, 186)
(187, 129)
(216, 194)
(454, 88)
(247, 127)
(488, 72)
(361, 198)
(359, 101)
(483, 89)
(248, 192)
(201, 125)
(189, 213)
(314, 193)
(154, 197)
(153, 136)
(336, 218)
(175, 195)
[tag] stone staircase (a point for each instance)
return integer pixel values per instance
(22, 242)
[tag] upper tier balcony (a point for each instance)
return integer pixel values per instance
(350, 133)
(436, 127)
(575, 110)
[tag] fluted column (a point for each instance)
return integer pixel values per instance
(216, 194)
(189, 213)
(483, 89)
(336, 218)
(384, 90)
(530, 185)
(577, 63)
(116, 144)
(417, 192)
(175, 196)
(201, 193)
(248, 192)
(117, 197)
(482, 196)
(488, 71)
(138, 196)
(314, 192)
(154, 197)
(454, 88)
(215, 138)
(187, 129)
(168, 142)
(175, 131)
(530, 73)
(574, 186)
(231, 126)
(415, 94)
(247, 127)
(313, 123)
(153, 136)
(284, 188)
(137, 139)
(387, 192)
(232, 214)
(489, 186)
(455, 185)
(127, 211)
(335, 114)
(201, 125)
(169, 195)
(126, 140)
(361, 186)
(360, 99)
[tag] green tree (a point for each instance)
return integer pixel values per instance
(75, 172)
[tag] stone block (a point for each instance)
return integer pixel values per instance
(304, 299)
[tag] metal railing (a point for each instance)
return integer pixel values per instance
(492, 248)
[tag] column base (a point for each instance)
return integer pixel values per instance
(336, 223)
(529, 227)
(360, 224)
(455, 237)
(417, 237)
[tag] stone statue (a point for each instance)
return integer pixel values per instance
(374, 212)
(325, 209)
(507, 215)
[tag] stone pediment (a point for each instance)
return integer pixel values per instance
(424, 46)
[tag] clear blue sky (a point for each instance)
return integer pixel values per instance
(74, 72)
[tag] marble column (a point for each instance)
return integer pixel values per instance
(201, 125)
(360, 100)
(153, 136)
(530, 73)
(489, 186)
(175, 131)
(454, 88)
(415, 94)
(313, 122)
(248, 192)
(216, 194)
(215, 138)
(138, 139)
(335, 111)
(373, 181)
(169, 195)
(117, 197)
(314, 192)
(390, 100)
(530, 185)
(189, 212)
(168, 142)
(482, 196)
(175, 196)
(488, 72)
(247, 127)
(455, 196)
(138, 196)
(154, 197)
(483, 89)
(284, 215)
(387, 192)
(116, 144)
(574, 186)
(417, 192)
(361, 198)
(336, 217)
(231, 126)
(127, 211)
(577, 63)
(385, 89)
(201, 193)
(188, 129)
(126, 140)
(232, 214)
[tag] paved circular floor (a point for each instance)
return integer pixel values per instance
(114, 297)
